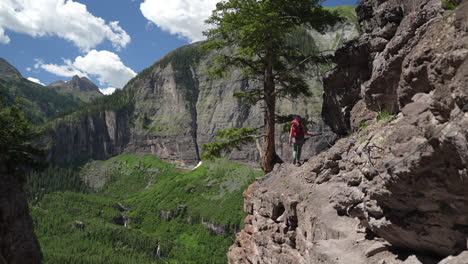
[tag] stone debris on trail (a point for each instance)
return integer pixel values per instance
(395, 191)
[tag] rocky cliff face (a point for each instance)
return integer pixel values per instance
(176, 107)
(394, 191)
(18, 243)
(100, 135)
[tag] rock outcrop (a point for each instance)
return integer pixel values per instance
(7, 70)
(18, 243)
(176, 106)
(394, 191)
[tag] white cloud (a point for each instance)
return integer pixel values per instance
(35, 80)
(66, 19)
(4, 39)
(28, 69)
(108, 91)
(65, 70)
(106, 66)
(38, 63)
(185, 18)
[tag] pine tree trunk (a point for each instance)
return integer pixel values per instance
(269, 157)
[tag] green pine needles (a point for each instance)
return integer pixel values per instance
(229, 139)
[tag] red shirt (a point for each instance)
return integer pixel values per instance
(297, 130)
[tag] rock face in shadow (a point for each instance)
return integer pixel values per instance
(176, 106)
(18, 243)
(394, 191)
(99, 135)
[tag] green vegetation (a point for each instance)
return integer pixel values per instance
(167, 211)
(40, 103)
(120, 100)
(78, 228)
(384, 116)
(228, 139)
(181, 60)
(361, 133)
(16, 150)
(52, 180)
(363, 126)
(86, 96)
(336, 40)
(450, 4)
(346, 11)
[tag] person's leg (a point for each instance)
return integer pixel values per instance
(295, 152)
(299, 152)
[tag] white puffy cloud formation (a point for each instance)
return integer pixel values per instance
(185, 18)
(35, 80)
(65, 70)
(106, 66)
(107, 91)
(67, 19)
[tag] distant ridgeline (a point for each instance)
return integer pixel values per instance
(40, 103)
(172, 107)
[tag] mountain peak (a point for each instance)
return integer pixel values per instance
(82, 87)
(83, 84)
(7, 70)
(76, 84)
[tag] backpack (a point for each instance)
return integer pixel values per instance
(297, 130)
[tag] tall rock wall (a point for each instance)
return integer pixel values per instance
(100, 135)
(395, 190)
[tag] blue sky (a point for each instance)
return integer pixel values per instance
(108, 41)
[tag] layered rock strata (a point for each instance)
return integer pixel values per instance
(394, 191)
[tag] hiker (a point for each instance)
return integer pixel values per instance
(296, 138)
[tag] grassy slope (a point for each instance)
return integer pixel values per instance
(147, 186)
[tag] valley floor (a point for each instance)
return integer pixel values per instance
(138, 209)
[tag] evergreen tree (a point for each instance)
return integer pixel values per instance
(16, 133)
(258, 32)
